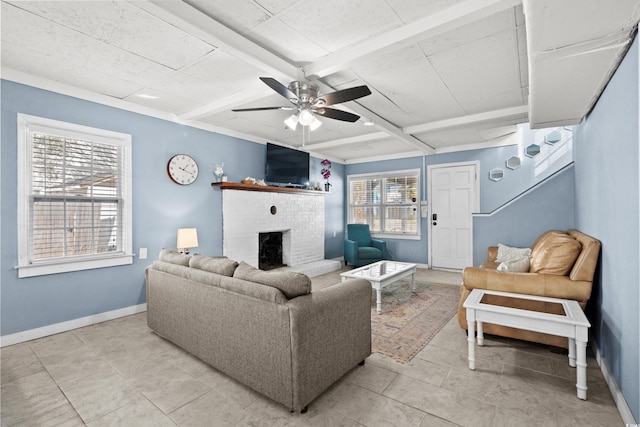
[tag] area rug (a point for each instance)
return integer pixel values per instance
(410, 320)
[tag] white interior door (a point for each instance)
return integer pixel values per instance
(454, 195)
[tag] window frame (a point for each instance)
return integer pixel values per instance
(383, 176)
(26, 126)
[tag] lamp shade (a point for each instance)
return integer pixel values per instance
(187, 238)
(292, 122)
(305, 117)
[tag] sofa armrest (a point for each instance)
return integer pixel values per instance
(382, 245)
(547, 285)
(330, 334)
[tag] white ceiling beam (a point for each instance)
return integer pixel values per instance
(467, 120)
(226, 103)
(440, 22)
(348, 141)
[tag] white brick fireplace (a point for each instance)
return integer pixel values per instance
(299, 216)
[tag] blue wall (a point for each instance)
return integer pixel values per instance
(492, 194)
(549, 206)
(160, 207)
(607, 192)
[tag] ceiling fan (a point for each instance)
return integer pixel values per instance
(307, 103)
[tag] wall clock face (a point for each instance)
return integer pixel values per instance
(182, 169)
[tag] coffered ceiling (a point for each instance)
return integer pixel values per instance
(445, 75)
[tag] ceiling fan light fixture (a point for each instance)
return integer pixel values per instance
(292, 122)
(315, 124)
(306, 117)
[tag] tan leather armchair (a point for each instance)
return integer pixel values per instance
(575, 285)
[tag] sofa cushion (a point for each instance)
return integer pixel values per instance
(174, 257)
(508, 253)
(291, 284)
(520, 265)
(554, 253)
(214, 264)
(369, 253)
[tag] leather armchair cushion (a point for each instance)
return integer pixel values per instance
(555, 252)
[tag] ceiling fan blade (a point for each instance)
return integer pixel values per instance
(332, 113)
(280, 88)
(262, 109)
(344, 95)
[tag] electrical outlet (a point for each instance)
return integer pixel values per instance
(334, 234)
(143, 253)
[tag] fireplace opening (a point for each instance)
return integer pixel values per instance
(270, 250)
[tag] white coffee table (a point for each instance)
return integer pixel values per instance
(573, 324)
(381, 274)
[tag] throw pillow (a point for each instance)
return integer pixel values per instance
(520, 265)
(219, 265)
(174, 257)
(555, 254)
(291, 284)
(508, 253)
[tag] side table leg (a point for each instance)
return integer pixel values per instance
(572, 352)
(471, 340)
(581, 371)
(480, 334)
(379, 300)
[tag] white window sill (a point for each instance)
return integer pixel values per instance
(68, 266)
(396, 236)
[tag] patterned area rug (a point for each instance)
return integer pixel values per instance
(410, 320)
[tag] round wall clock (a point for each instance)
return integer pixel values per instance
(182, 169)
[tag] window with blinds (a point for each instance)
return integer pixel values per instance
(387, 202)
(75, 183)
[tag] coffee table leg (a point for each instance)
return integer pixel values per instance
(413, 281)
(471, 338)
(379, 300)
(480, 334)
(572, 352)
(581, 371)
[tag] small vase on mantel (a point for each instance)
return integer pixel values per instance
(327, 186)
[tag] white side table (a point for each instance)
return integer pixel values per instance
(573, 325)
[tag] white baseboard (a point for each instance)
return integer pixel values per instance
(57, 328)
(616, 393)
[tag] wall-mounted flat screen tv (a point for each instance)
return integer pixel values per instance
(286, 167)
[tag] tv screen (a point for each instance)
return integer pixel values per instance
(286, 166)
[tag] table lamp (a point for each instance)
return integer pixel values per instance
(187, 238)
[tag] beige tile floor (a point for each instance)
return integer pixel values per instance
(121, 373)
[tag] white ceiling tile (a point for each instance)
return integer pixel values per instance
(469, 33)
(495, 80)
(276, 6)
(75, 51)
(333, 24)
(289, 43)
(51, 67)
(412, 10)
(123, 25)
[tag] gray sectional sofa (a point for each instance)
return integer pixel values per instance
(266, 330)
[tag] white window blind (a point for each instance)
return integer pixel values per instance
(75, 183)
(387, 202)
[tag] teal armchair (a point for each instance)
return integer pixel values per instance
(360, 249)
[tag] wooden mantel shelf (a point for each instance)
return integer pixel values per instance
(265, 188)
